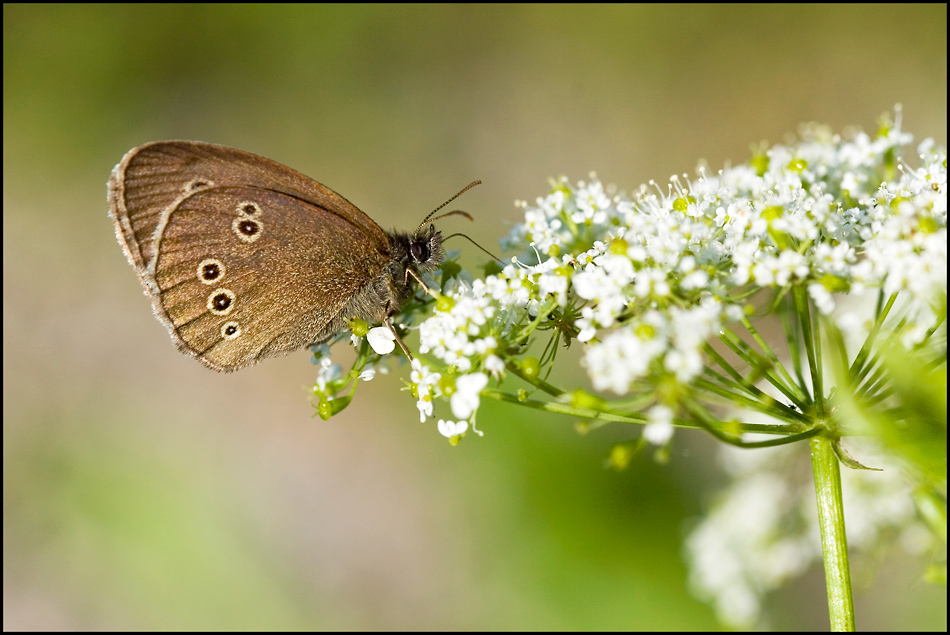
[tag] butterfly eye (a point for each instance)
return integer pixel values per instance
(419, 251)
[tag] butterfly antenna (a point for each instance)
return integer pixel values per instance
(452, 213)
(469, 239)
(464, 189)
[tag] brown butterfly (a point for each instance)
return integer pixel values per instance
(244, 258)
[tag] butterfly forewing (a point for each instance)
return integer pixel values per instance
(152, 179)
(234, 259)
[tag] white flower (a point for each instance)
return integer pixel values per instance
(494, 364)
(451, 429)
(328, 372)
(619, 359)
(465, 400)
(427, 386)
(543, 226)
(834, 259)
(586, 324)
(382, 340)
(592, 203)
(822, 298)
(685, 364)
(464, 335)
(660, 429)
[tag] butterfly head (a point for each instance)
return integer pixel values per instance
(421, 250)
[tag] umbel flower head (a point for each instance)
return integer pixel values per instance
(645, 281)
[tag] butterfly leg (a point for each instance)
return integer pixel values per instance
(410, 272)
(398, 339)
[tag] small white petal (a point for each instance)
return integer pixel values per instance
(382, 340)
(494, 363)
(658, 433)
(472, 383)
(465, 400)
(660, 429)
(463, 405)
(450, 429)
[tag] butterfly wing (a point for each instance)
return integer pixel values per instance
(243, 257)
(152, 179)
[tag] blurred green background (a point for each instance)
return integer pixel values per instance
(141, 490)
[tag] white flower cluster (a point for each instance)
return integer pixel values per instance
(646, 280)
(465, 399)
(762, 530)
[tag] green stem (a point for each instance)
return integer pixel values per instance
(707, 422)
(561, 408)
(534, 380)
(834, 542)
(810, 343)
(792, 433)
(857, 367)
(767, 405)
(787, 380)
(756, 362)
(819, 379)
(603, 415)
(793, 337)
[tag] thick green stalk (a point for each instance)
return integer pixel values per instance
(834, 542)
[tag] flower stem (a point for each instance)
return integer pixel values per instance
(787, 381)
(834, 542)
(812, 350)
(560, 408)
